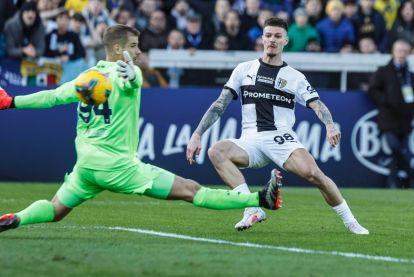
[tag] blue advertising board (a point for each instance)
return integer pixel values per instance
(38, 145)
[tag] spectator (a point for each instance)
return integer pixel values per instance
(367, 46)
(66, 46)
(360, 80)
(221, 8)
(336, 31)
(257, 31)
(194, 35)
(282, 14)
(237, 40)
(156, 33)
(97, 16)
(89, 38)
(350, 9)
(124, 17)
(176, 41)
(221, 42)
(300, 32)
(388, 9)
(391, 89)
(48, 11)
(7, 9)
(403, 27)
(179, 13)
(143, 13)
(314, 10)
(250, 15)
(369, 23)
(115, 6)
(25, 34)
(151, 77)
(62, 43)
(313, 45)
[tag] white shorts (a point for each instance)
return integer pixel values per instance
(268, 146)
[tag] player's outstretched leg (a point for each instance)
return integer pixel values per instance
(220, 199)
(8, 221)
(272, 192)
(41, 211)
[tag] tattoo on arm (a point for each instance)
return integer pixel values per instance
(215, 111)
(322, 111)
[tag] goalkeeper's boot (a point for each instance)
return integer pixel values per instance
(269, 196)
(251, 217)
(9, 221)
(356, 228)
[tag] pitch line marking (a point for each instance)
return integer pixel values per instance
(262, 246)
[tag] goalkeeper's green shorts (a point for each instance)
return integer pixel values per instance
(145, 179)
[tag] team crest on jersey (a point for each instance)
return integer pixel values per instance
(281, 83)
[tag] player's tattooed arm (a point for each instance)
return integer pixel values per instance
(321, 111)
(332, 133)
(215, 111)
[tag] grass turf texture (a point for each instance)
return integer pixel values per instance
(75, 247)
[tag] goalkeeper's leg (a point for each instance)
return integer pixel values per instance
(40, 211)
(173, 187)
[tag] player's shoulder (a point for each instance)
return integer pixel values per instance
(247, 64)
(292, 71)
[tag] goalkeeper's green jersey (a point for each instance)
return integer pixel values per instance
(107, 135)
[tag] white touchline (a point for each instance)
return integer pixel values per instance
(262, 246)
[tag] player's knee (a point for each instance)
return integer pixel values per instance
(217, 153)
(191, 189)
(314, 176)
(60, 211)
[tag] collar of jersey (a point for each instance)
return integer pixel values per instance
(102, 64)
(272, 66)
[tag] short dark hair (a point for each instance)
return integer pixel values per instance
(276, 22)
(117, 34)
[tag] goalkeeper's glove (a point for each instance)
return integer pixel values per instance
(125, 68)
(6, 101)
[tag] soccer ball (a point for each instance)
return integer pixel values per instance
(93, 87)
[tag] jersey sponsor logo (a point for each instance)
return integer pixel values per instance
(265, 95)
(265, 79)
(369, 147)
(281, 83)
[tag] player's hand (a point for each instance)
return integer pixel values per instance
(333, 134)
(5, 100)
(125, 68)
(193, 147)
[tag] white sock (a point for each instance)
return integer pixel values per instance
(344, 212)
(244, 189)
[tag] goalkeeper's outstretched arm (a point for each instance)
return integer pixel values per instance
(64, 94)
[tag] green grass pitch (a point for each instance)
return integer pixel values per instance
(84, 244)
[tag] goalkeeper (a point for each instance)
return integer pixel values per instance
(106, 144)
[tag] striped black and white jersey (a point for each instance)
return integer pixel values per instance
(268, 94)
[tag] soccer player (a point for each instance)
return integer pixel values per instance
(106, 144)
(268, 89)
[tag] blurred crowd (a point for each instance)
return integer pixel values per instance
(70, 32)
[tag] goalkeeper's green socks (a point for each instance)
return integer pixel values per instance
(39, 212)
(220, 199)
